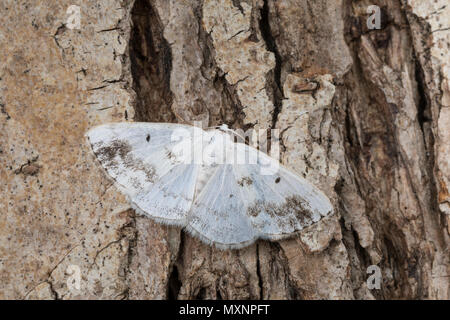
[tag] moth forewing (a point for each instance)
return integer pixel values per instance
(226, 193)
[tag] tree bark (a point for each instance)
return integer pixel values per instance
(375, 139)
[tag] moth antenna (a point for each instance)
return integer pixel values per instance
(237, 134)
(225, 128)
(303, 112)
(308, 111)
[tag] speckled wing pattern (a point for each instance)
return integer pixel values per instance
(229, 205)
(139, 158)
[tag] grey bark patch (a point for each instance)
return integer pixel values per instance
(31, 168)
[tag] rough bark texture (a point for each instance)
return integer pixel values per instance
(376, 140)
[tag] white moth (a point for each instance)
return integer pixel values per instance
(226, 193)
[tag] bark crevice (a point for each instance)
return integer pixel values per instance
(274, 85)
(151, 65)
